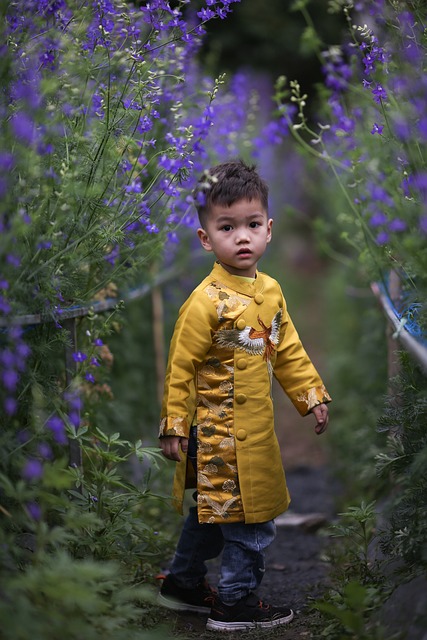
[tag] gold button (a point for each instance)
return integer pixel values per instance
(241, 398)
(241, 434)
(241, 323)
(242, 363)
(259, 298)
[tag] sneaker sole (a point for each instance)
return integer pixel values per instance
(178, 605)
(217, 625)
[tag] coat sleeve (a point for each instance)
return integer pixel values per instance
(191, 341)
(294, 370)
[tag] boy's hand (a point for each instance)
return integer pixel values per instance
(170, 447)
(321, 413)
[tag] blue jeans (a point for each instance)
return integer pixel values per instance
(242, 545)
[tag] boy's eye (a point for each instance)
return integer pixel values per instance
(226, 227)
(254, 224)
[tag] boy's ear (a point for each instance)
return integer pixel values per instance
(269, 225)
(204, 239)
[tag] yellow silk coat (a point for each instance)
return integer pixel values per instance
(230, 338)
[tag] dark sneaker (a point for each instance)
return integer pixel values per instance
(197, 600)
(247, 613)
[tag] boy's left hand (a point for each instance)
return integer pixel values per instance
(321, 413)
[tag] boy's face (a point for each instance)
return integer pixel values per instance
(237, 235)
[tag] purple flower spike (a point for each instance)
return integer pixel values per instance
(10, 379)
(382, 238)
(24, 128)
(56, 425)
(34, 511)
(7, 161)
(377, 128)
(423, 224)
(397, 225)
(10, 406)
(33, 470)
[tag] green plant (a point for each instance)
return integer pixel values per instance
(61, 597)
(351, 611)
(358, 585)
(404, 463)
(356, 530)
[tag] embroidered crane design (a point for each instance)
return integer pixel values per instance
(254, 341)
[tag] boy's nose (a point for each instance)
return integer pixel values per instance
(242, 236)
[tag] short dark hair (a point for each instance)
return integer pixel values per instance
(228, 183)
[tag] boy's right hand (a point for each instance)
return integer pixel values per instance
(170, 447)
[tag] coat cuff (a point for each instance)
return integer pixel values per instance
(311, 398)
(174, 426)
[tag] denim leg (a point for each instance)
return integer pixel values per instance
(198, 542)
(243, 558)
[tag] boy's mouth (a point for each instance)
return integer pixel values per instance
(244, 252)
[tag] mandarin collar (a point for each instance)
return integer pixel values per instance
(238, 284)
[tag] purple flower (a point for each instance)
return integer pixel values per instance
(4, 306)
(382, 238)
(402, 129)
(145, 124)
(397, 225)
(45, 451)
(34, 511)
(10, 379)
(98, 342)
(206, 14)
(13, 260)
(56, 425)
(7, 358)
(377, 128)
(74, 400)
(379, 93)
(79, 356)
(74, 418)
(44, 244)
(113, 255)
(379, 218)
(95, 362)
(422, 128)
(89, 377)
(10, 406)
(7, 161)
(24, 128)
(379, 194)
(33, 470)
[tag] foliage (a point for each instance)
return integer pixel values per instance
(372, 135)
(359, 588)
(106, 124)
(357, 367)
(59, 523)
(371, 132)
(350, 612)
(71, 599)
(404, 463)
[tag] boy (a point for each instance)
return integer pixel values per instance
(232, 335)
